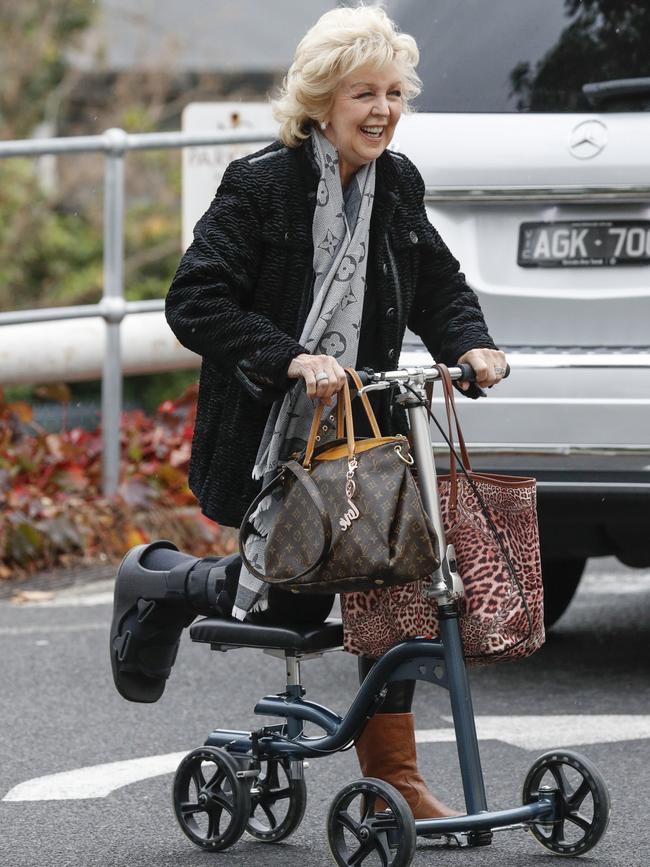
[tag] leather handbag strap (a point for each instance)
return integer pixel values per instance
(450, 410)
(450, 401)
(340, 416)
(309, 485)
(349, 426)
(452, 420)
(372, 419)
(313, 433)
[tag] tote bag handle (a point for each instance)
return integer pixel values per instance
(453, 422)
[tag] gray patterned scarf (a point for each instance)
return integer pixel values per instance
(340, 231)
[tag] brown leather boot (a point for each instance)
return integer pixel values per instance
(386, 750)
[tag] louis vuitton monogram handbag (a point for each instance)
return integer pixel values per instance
(351, 517)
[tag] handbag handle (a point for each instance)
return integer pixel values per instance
(450, 407)
(450, 410)
(452, 417)
(340, 418)
(315, 424)
(308, 484)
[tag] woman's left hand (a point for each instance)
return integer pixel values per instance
(489, 364)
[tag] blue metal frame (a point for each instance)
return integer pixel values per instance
(438, 662)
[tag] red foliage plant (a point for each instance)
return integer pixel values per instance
(52, 511)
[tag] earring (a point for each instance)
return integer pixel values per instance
(323, 125)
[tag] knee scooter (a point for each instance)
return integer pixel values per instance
(254, 782)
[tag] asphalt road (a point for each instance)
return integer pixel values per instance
(60, 712)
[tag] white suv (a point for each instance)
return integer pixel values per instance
(533, 138)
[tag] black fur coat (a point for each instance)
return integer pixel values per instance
(239, 299)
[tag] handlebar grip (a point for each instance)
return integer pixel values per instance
(365, 375)
(469, 374)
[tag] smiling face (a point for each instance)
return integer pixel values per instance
(362, 119)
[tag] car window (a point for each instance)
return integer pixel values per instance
(525, 55)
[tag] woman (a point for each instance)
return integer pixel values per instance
(315, 254)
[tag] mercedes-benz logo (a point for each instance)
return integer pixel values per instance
(587, 139)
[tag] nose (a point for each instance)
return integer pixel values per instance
(381, 106)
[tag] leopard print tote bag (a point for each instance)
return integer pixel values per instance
(491, 520)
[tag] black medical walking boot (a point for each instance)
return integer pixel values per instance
(158, 592)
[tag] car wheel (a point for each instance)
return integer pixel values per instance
(561, 577)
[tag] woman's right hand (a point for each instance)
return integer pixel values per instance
(309, 367)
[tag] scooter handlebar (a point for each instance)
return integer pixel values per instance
(469, 374)
(461, 373)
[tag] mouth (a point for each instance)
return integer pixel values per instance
(372, 133)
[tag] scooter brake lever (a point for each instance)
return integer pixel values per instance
(375, 386)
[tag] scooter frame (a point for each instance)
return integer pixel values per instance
(440, 662)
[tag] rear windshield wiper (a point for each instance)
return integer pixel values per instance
(619, 93)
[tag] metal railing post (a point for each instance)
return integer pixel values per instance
(113, 306)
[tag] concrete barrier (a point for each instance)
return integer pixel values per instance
(71, 350)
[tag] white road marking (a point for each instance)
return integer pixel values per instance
(625, 582)
(80, 596)
(95, 781)
(546, 732)
(78, 601)
(526, 732)
(51, 628)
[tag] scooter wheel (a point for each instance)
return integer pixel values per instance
(582, 799)
(360, 828)
(211, 803)
(277, 803)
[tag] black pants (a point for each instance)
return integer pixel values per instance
(294, 608)
(399, 695)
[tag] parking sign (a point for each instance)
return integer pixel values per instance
(203, 166)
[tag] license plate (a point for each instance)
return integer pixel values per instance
(595, 243)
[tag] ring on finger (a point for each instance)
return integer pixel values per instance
(322, 376)
(499, 371)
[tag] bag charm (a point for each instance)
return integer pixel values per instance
(352, 513)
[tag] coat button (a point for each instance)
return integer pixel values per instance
(390, 313)
(413, 237)
(391, 354)
(287, 236)
(384, 268)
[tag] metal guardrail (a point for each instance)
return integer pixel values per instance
(114, 144)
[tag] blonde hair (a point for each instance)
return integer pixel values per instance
(341, 41)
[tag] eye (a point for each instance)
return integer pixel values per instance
(364, 94)
(397, 93)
